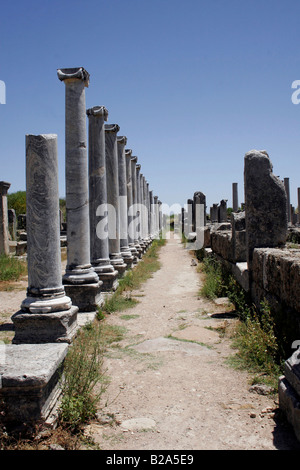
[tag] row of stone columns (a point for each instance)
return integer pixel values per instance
(110, 220)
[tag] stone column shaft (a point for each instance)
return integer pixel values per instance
(124, 247)
(47, 314)
(4, 239)
(235, 203)
(98, 199)
(135, 215)
(112, 182)
(79, 269)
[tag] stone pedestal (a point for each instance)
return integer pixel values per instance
(29, 382)
(99, 245)
(124, 247)
(47, 313)
(79, 270)
(112, 182)
(4, 237)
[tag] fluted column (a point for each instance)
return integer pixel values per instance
(47, 313)
(125, 251)
(112, 182)
(98, 199)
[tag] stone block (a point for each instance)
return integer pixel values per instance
(29, 381)
(266, 204)
(45, 327)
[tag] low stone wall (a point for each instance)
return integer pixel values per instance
(276, 276)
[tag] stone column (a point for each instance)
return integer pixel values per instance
(287, 190)
(4, 238)
(155, 199)
(98, 200)
(138, 194)
(135, 215)
(47, 314)
(124, 247)
(148, 212)
(145, 211)
(133, 250)
(235, 199)
(223, 211)
(298, 196)
(152, 215)
(112, 182)
(81, 282)
(189, 217)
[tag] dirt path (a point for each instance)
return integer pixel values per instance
(179, 394)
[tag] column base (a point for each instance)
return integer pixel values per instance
(127, 257)
(80, 275)
(118, 263)
(87, 297)
(37, 328)
(109, 280)
(134, 253)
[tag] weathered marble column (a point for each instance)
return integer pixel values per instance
(145, 211)
(135, 215)
(189, 227)
(124, 247)
(139, 209)
(152, 215)
(298, 199)
(235, 199)
(98, 200)
(81, 282)
(112, 182)
(4, 238)
(133, 250)
(223, 211)
(156, 211)
(286, 182)
(265, 204)
(47, 314)
(148, 212)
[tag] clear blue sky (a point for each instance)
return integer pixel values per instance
(193, 84)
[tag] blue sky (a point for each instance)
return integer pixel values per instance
(193, 84)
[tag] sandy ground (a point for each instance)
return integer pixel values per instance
(170, 386)
(179, 393)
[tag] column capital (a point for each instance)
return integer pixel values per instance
(4, 187)
(122, 139)
(98, 111)
(112, 128)
(128, 152)
(138, 166)
(134, 159)
(77, 73)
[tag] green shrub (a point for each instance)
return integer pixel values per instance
(83, 381)
(11, 268)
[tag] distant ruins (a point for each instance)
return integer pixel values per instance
(112, 218)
